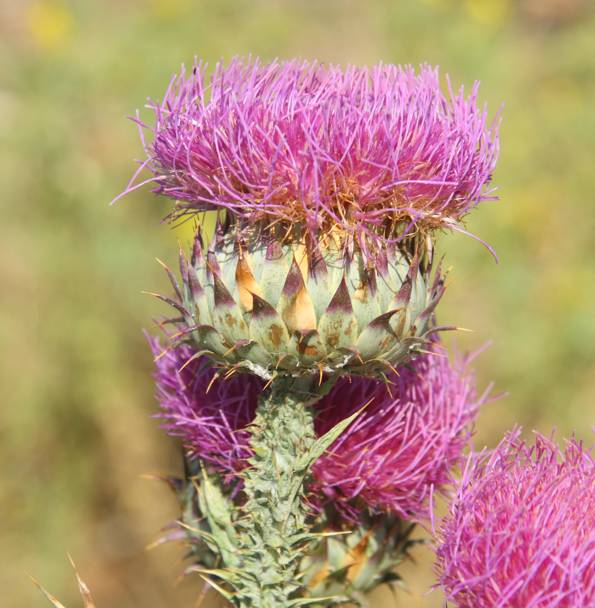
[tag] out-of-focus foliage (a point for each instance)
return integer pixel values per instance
(76, 432)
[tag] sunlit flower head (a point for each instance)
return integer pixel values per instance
(399, 450)
(209, 415)
(520, 532)
(404, 445)
(366, 152)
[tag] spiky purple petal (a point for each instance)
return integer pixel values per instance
(209, 415)
(321, 146)
(402, 447)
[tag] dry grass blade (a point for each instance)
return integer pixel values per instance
(83, 590)
(49, 596)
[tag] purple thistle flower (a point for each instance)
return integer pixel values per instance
(406, 441)
(520, 532)
(367, 149)
(208, 414)
(390, 459)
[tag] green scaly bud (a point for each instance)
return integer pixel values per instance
(354, 559)
(272, 308)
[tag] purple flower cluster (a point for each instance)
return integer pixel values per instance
(407, 440)
(363, 149)
(401, 447)
(521, 530)
(207, 413)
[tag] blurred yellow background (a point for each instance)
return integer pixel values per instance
(76, 431)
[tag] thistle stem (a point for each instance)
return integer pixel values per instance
(274, 526)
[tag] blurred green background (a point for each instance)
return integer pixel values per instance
(76, 431)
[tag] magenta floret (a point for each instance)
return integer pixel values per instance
(300, 142)
(208, 415)
(403, 446)
(520, 532)
(390, 459)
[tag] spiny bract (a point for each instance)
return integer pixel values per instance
(274, 308)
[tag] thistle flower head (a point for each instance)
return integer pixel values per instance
(398, 449)
(360, 151)
(404, 444)
(208, 414)
(520, 532)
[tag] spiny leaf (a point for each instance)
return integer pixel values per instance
(330, 599)
(207, 537)
(313, 535)
(198, 299)
(253, 352)
(227, 313)
(228, 596)
(226, 575)
(324, 442)
(211, 339)
(217, 509)
(403, 296)
(197, 257)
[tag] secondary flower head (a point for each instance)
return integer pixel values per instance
(521, 530)
(208, 414)
(398, 450)
(404, 445)
(364, 152)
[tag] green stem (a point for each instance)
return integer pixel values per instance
(260, 545)
(274, 524)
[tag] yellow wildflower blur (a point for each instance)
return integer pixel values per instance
(184, 231)
(167, 9)
(50, 24)
(489, 12)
